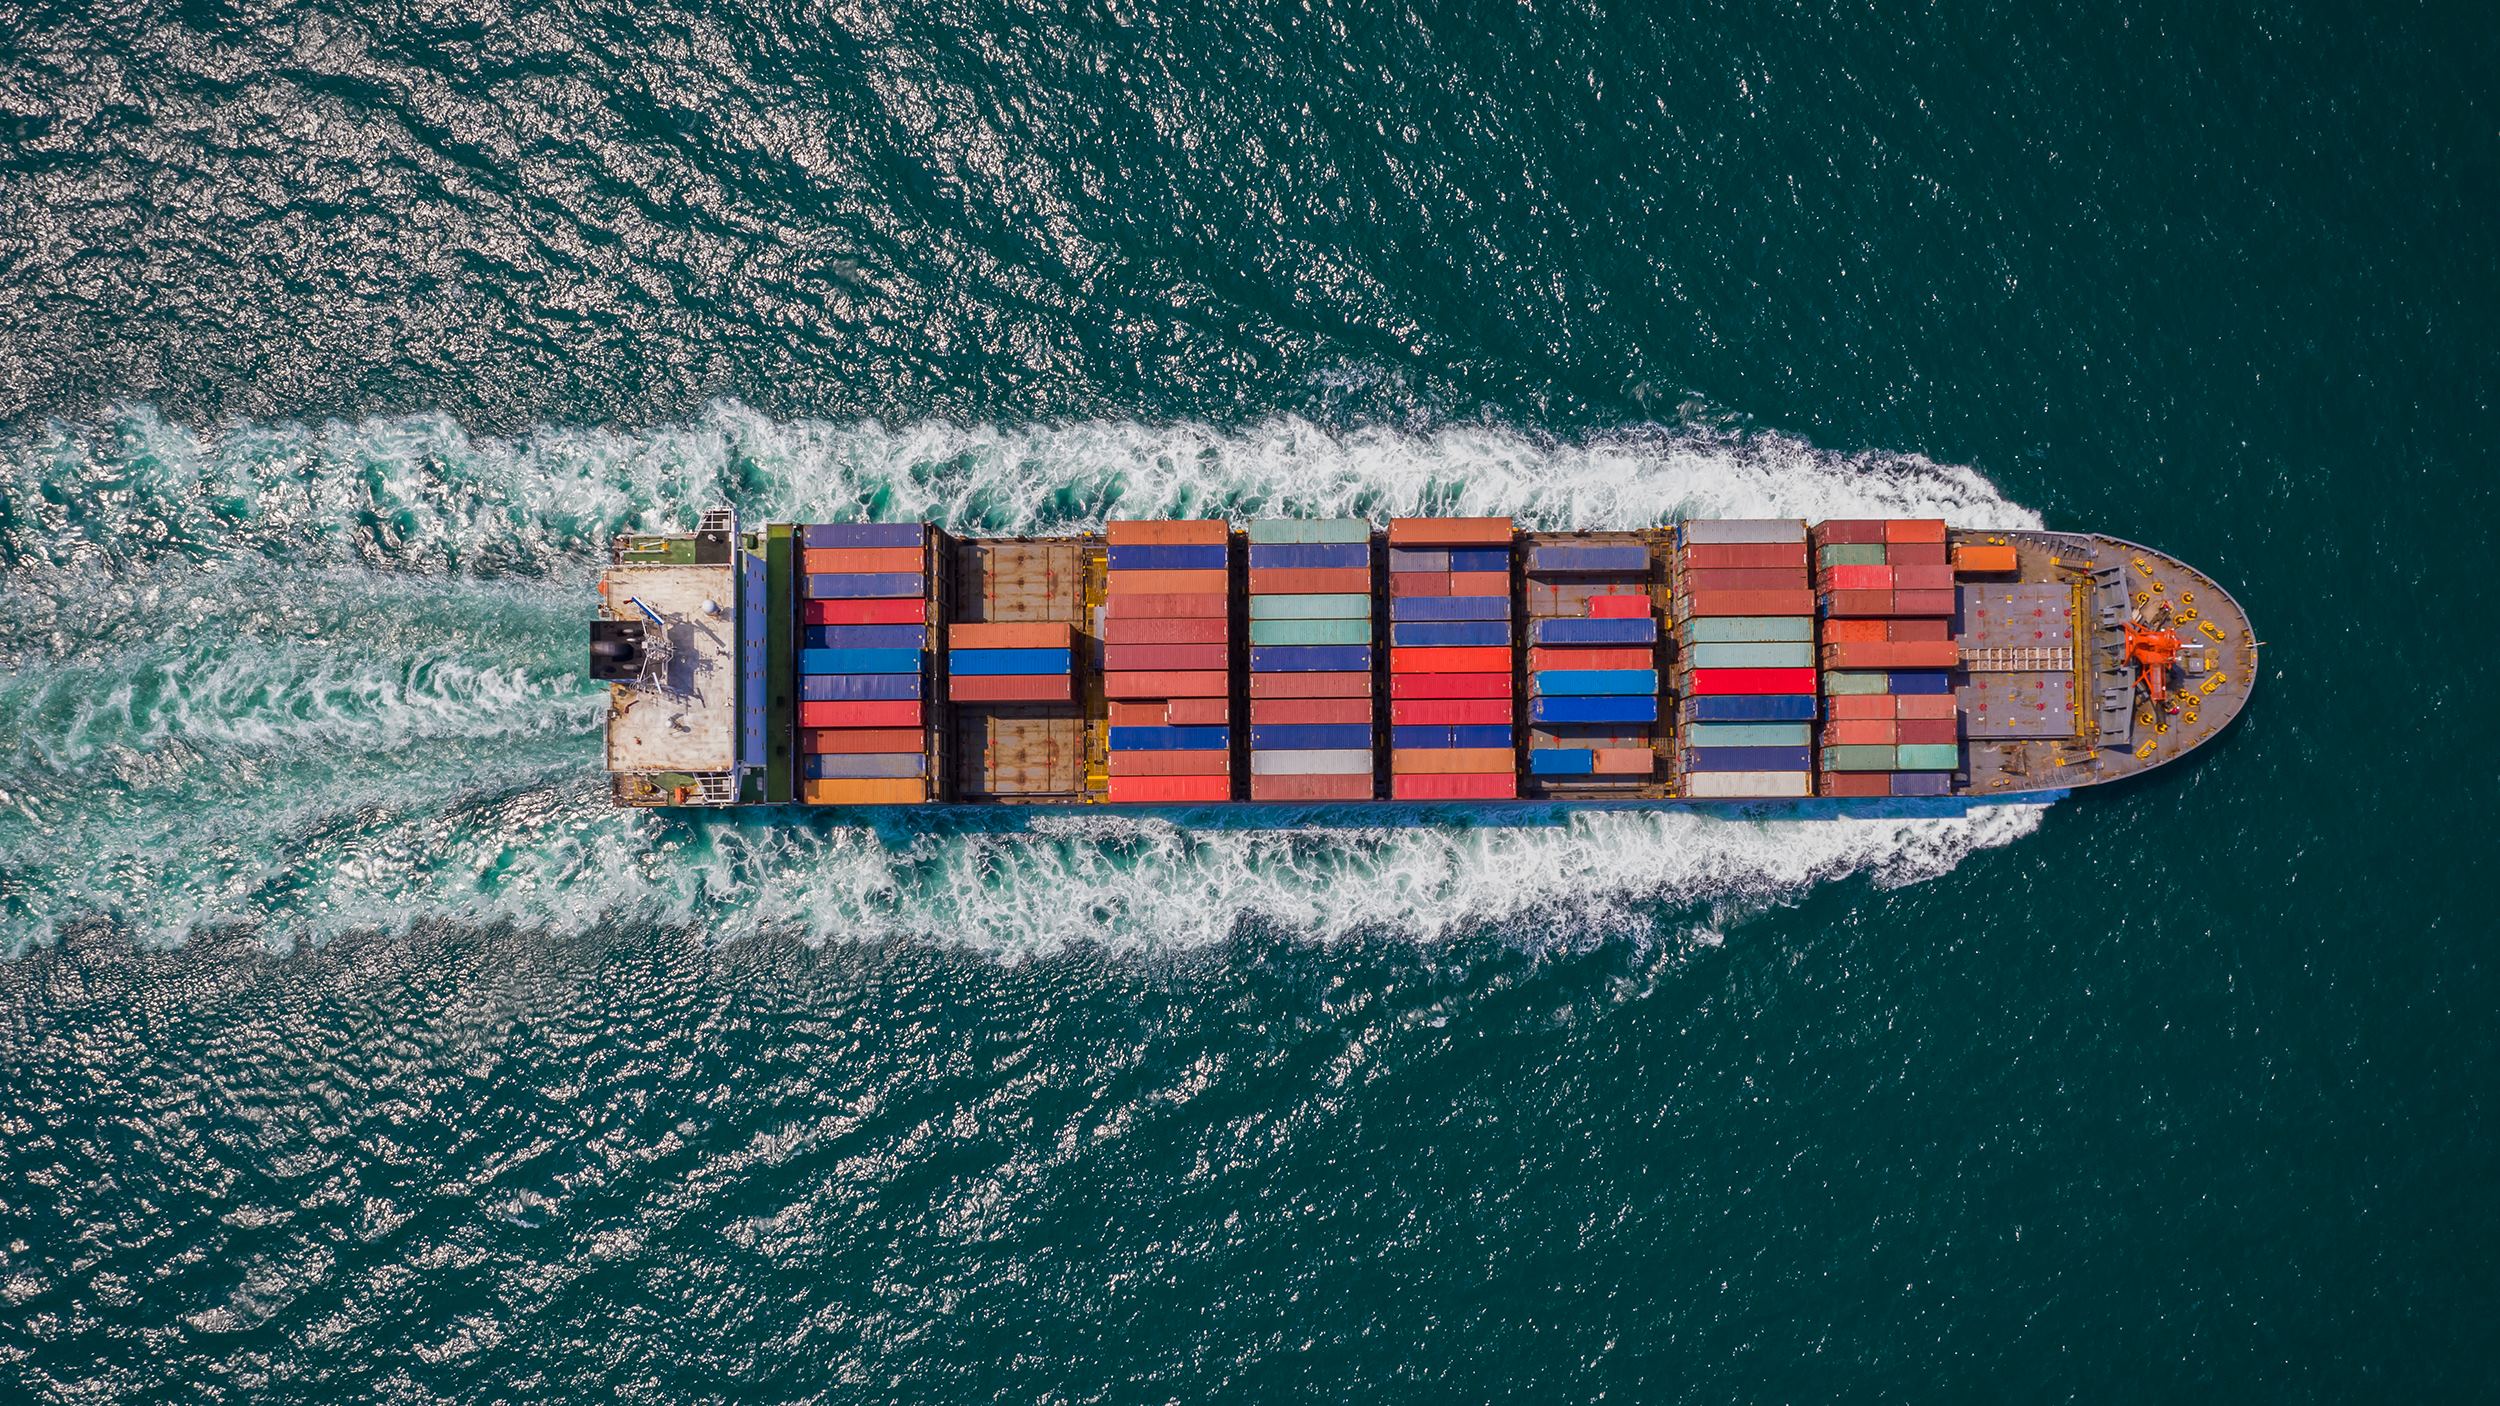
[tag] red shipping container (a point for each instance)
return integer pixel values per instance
(1891, 654)
(1789, 579)
(1916, 554)
(1705, 556)
(1915, 654)
(836, 561)
(1545, 657)
(1311, 581)
(1712, 682)
(1718, 603)
(1449, 686)
(1922, 602)
(1455, 786)
(1479, 583)
(1310, 788)
(1624, 761)
(864, 612)
(1859, 784)
(1860, 732)
(1408, 585)
(1862, 603)
(1034, 635)
(1168, 683)
(904, 713)
(1142, 658)
(1181, 607)
(1450, 531)
(1450, 712)
(1198, 712)
(1854, 632)
(1914, 529)
(1926, 631)
(1929, 732)
(1168, 790)
(1201, 630)
(1332, 685)
(1857, 706)
(1182, 532)
(1855, 530)
(838, 741)
(1011, 688)
(1925, 705)
(1451, 659)
(1618, 608)
(1922, 578)
(1305, 712)
(1152, 713)
(1857, 578)
(1170, 763)
(1166, 583)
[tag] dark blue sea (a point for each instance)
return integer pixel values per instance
(353, 1050)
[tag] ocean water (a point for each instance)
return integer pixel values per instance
(354, 1051)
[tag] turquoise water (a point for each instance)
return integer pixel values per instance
(354, 1051)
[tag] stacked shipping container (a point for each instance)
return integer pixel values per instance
(1747, 658)
(1450, 660)
(1011, 663)
(1592, 664)
(1886, 591)
(1167, 661)
(864, 623)
(1311, 718)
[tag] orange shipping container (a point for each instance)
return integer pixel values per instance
(1439, 761)
(1858, 706)
(1858, 732)
(1198, 712)
(1187, 532)
(1975, 559)
(821, 561)
(836, 741)
(1925, 705)
(898, 791)
(1165, 583)
(1450, 531)
(1011, 688)
(1451, 659)
(1168, 683)
(1479, 583)
(1913, 529)
(1050, 635)
(1624, 761)
(1310, 581)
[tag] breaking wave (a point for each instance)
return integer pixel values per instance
(315, 679)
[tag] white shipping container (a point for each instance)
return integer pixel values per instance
(1715, 531)
(1330, 763)
(1748, 785)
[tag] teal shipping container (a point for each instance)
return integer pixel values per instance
(1748, 734)
(1310, 607)
(1750, 656)
(1748, 629)
(1310, 632)
(1276, 530)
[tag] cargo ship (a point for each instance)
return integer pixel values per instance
(1301, 661)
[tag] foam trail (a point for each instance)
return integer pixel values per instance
(318, 679)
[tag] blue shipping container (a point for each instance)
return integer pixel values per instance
(865, 585)
(1479, 558)
(1642, 631)
(1427, 738)
(1922, 783)
(1920, 682)
(1449, 608)
(1171, 739)
(867, 637)
(1449, 632)
(984, 663)
(751, 659)
(854, 766)
(1751, 708)
(1562, 761)
(1311, 556)
(859, 661)
(863, 534)
(1432, 559)
(1311, 737)
(1210, 556)
(1594, 708)
(1749, 759)
(858, 688)
(1611, 560)
(1311, 659)
(1557, 682)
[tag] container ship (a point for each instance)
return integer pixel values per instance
(1436, 659)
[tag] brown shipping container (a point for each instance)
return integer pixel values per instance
(1758, 579)
(1338, 685)
(1857, 783)
(1914, 529)
(1282, 712)
(1929, 732)
(1194, 532)
(1151, 713)
(1198, 712)
(1750, 603)
(1171, 763)
(882, 792)
(1922, 602)
(1203, 606)
(1055, 634)
(1922, 578)
(1705, 556)
(1165, 583)
(1442, 761)
(828, 561)
(1450, 531)
(1311, 581)
(1409, 585)
(1479, 583)
(838, 741)
(1860, 531)
(1915, 554)
(1874, 603)
(1856, 631)
(1214, 683)
(1203, 630)
(1011, 688)
(1310, 788)
(1140, 658)
(1926, 631)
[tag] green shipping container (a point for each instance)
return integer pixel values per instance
(1841, 682)
(1310, 632)
(1748, 629)
(1310, 607)
(1859, 758)
(1851, 554)
(1928, 756)
(1269, 531)
(1751, 656)
(1748, 735)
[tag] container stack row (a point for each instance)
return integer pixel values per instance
(1451, 713)
(1886, 592)
(1592, 664)
(1747, 672)
(1167, 661)
(863, 662)
(1311, 721)
(1011, 662)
